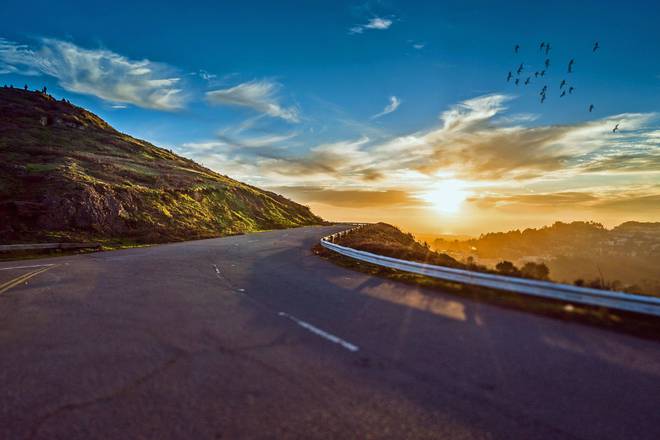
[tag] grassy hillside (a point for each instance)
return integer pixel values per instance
(65, 175)
(384, 239)
(388, 240)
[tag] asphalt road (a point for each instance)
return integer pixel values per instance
(254, 337)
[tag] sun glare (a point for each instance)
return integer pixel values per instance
(447, 196)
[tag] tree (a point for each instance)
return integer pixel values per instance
(538, 271)
(507, 268)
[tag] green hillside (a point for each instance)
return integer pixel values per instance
(66, 175)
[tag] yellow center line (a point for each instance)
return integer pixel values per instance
(21, 279)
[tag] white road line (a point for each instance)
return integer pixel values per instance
(26, 267)
(317, 331)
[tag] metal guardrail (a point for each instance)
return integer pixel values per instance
(42, 246)
(564, 292)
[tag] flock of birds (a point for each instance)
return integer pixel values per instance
(564, 86)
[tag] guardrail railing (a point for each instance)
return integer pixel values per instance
(43, 246)
(565, 292)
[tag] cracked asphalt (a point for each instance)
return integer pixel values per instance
(247, 337)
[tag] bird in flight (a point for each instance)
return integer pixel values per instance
(616, 127)
(563, 94)
(542, 98)
(508, 78)
(517, 48)
(527, 80)
(547, 63)
(542, 46)
(547, 48)
(517, 81)
(520, 69)
(596, 46)
(591, 108)
(536, 74)
(544, 89)
(571, 89)
(563, 83)
(570, 65)
(542, 73)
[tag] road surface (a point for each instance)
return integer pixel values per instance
(253, 337)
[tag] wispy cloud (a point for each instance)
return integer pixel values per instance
(389, 108)
(475, 141)
(377, 23)
(619, 199)
(350, 197)
(97, 72)
(257, 95)
(206, 75)
(419, 46)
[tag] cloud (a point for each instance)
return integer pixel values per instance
(419, 46)
(377, 23)
(389, 108)
(621, 199)
(475, 142)
(556, 199)
(472, 144)
(256, 141)
(257, 95)
(97, 72)
(350, 198)
(207, 76)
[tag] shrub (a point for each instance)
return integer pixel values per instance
(538, 271)
(507, 268)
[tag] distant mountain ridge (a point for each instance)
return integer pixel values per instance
(65, 174)
(574, 238)
(628, 253)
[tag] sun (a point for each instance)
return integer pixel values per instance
(446, 196)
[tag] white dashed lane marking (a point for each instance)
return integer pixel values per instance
(317, 331)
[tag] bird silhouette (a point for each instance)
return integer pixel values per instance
(591, 108)
(517, 81)
(570, 65)
(571, 89)
(517, 48)
(542, 98)
(547, 63)
(508, 78)
(520, 69)
(527, 80)
(596, 46)
(547, 48)
(616, 127)
(536, 74)
(563, 94)
(544, 89)
(542, 73)
(563, 83)
(542, 46)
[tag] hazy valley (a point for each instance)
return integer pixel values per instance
(627, 256)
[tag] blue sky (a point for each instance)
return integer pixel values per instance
(319, 98)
